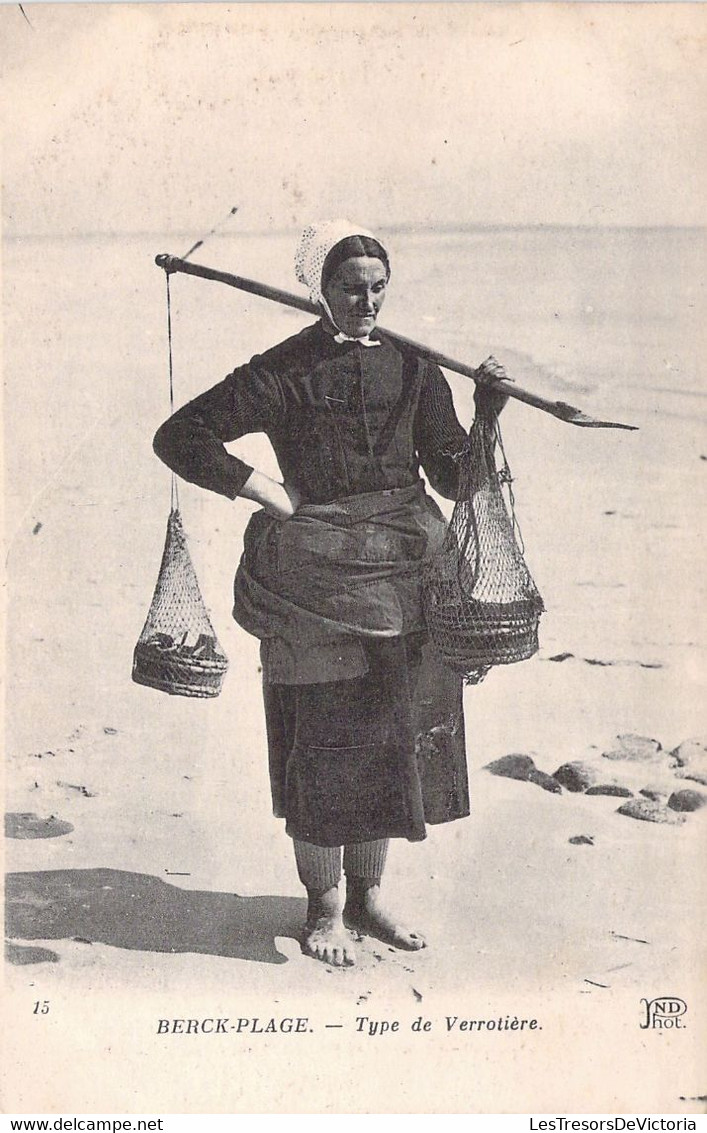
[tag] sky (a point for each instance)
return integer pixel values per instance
(136, 118)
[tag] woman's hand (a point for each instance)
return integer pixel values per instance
(279, 500)
(488, 401)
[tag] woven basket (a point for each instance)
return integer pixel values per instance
(481, 605)
(178, 675)
(178, 651)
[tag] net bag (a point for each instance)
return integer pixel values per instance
(481, 605)
(178, 651)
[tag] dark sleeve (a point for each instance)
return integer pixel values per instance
(438, 434)
(191, 442)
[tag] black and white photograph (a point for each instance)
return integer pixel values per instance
(354, 491)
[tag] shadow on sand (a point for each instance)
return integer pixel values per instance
(136, 911)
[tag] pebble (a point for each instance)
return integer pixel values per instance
(687, 800)
(581, 840)
(614, 789)
(689, 761)
(689, 751)
(547, 782)
(514, 766)
(693, 775)
(576, 776)
(654, 793)
(522, 767)
(636, 749)
(649, 811)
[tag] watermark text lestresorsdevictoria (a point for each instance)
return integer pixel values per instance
(612, 1124)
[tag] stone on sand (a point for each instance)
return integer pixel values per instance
(690, 752)
(514, 766)
(614, 789)
(689, 761)
(547, 782)
(693, 775)
(636, 749)
(649, 811)
(656, 794)
(687, 800)
(522, 767)
(577, 775)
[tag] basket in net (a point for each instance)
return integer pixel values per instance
(481, 605)
(178, 651)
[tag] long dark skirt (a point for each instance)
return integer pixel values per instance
(373, 757)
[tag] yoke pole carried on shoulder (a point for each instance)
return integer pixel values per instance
(559, 409)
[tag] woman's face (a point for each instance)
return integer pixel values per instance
(355, 294)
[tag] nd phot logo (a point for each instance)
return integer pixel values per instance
(663, 1013)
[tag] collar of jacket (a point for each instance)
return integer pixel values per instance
(340, 338)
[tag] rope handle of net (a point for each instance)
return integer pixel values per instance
(174, 489)
(491, 438)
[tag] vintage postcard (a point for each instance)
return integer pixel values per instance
(522, 183)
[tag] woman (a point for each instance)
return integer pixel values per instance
(365, 728)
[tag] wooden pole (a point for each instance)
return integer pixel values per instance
(559, 409)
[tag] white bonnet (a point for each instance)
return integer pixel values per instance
(315, 244)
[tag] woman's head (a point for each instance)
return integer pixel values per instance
(354, 278)
(347, 271)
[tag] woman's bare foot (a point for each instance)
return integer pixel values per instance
(325, 936)
(364, 912)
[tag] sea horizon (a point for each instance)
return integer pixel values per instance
(394, 229)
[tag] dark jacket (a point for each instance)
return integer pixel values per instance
(343, 419)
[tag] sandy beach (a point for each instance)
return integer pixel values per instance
(147, 879)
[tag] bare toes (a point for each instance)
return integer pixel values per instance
(415, 942)
(329, 947)
(374, 922)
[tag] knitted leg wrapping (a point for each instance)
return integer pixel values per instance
(366, 860)
(319, 867)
